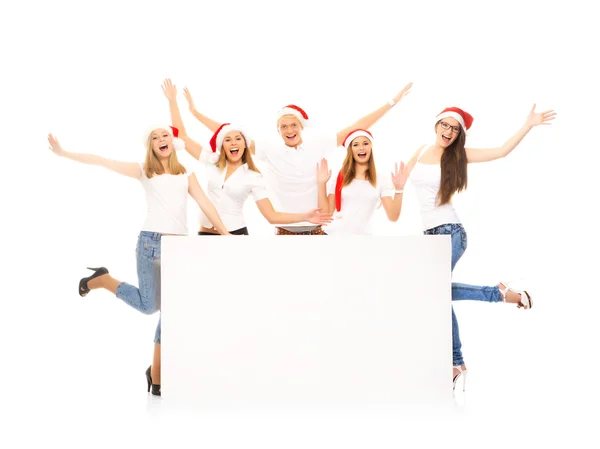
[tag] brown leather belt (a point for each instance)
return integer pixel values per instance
(317, 231)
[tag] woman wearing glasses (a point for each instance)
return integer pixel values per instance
(439, 171)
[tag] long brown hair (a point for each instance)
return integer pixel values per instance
(454, 169)
(152, 166)
(349, 168)
(348, 173)
(246, 157)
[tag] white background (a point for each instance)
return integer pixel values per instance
(71, 370)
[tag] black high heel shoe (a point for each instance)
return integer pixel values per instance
(155, 388)
(83, 287)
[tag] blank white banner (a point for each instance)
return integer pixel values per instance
(306, 319)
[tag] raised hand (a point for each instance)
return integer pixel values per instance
(400, 175)
(403, 93)
(190, 100)
(55, 145)
(540, 118)
(169, 90)
(323, 172)
(315, 216)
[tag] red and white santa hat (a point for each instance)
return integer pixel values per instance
(216, 141)
(356, 133)
(340, 178)
(178, 144)
(464, 118)
(297, 111)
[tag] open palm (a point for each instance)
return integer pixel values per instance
(400, 175)
(190, 100)
(540, 118)
(323, 172)
(169, 89)
(317, 217)
(55, 145)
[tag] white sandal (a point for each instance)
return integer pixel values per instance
(461, 373)
(525, 303)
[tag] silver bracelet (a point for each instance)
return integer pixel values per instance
(399, 190)
(392, 103)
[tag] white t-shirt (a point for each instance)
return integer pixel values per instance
(359, 202)
(426, 179)
(291, 173)
(229, 196)
(166, 197)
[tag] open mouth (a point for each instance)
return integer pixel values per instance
(362, 154)
(164, 147)
(446, 139)
(291, 137)
(234, 151)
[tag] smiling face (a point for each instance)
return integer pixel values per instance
(234, 146)
(361, 148)
(446, 131)
(161, 143)
(290, 130)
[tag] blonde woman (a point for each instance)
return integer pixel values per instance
(358, 189)
(232, 176)
(167, 185)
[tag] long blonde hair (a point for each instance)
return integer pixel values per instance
(246, 157)
(152, 166)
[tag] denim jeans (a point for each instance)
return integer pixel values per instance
(461, 292)
(146, 298)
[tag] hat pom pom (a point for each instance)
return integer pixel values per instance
(213, 158)
(178, 144)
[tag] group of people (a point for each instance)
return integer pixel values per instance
(308, 199)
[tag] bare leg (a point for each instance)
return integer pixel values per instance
(456, 371)
(510, 297)
(105, 281)
(155, 370)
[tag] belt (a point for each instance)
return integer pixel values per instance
(317, 231)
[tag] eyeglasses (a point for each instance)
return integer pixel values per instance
(447, 126)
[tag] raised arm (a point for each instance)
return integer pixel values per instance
(490, 154)
(130, 169)
(323, 176)
(393, 207)
(205, 205)
(314, 216)
(191, 146)
(206, 121)
(413, 160)
(370, 119)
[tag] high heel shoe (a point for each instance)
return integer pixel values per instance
(155, 388)
(525, 302)
(83, 287)
(461, 373)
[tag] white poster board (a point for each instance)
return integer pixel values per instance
(306, 319)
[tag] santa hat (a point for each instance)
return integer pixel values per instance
(216, 141)
(178, 144)
(356, 133)
(338, 191)
(292, 109)
(339, 183)
(464, 118)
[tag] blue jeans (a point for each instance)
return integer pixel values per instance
(146, 298)
(461, 292)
